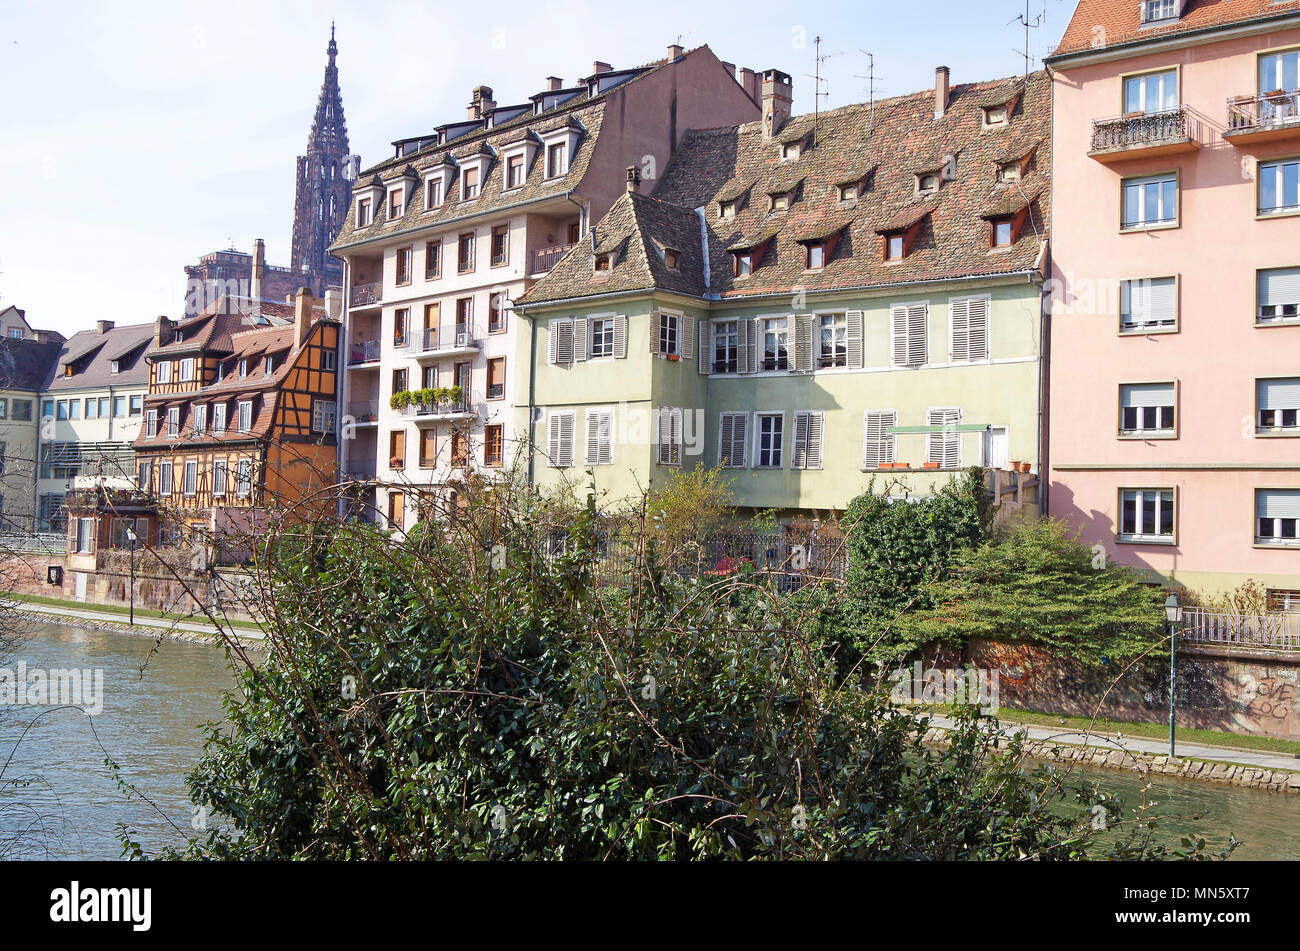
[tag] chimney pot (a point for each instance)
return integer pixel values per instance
(554, 83)
(633, 179)
(942, 87)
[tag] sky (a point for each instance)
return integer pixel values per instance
(137, 136)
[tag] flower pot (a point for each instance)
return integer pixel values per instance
(933, 465)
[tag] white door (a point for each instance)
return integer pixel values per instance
(997, 448)
(81, 586)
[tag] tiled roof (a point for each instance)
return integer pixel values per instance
(1099, 24)
(953, 237)
(26, 364)
(92, 353)
(220, 320)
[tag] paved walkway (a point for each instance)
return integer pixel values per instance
(1138, 744)
(153, 623)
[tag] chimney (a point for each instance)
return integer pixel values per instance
(303, 303)
(674, 52)
(334, 302)
(554, 83)
(480, 102)
(749, 82)
(104, 326)
(162, 331)
(633, 180)
(259, 270)
(942, 85)
(599, 67)
(778, 93)
(730, 68)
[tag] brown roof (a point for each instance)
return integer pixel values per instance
(1102, 24)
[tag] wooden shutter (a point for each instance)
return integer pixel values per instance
(853, 339)
(551, 336)
(562, 341)
(898, 333)
(978, 315)
(799, 457)
(686, 337)
(918, 321)
(580, 351)
(600, 450)
(813, 458)
(743, 351)
(877, 442)
(656, 326)
(959, 312)
(593, 437)
(755, 345)
(732, 432)
(803, 342)
(620, 337)
(553, 439)
(706, 346)
(945, 447)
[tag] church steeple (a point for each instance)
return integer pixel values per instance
(323, 185)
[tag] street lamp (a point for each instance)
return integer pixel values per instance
(130, 535)
(1173, 615)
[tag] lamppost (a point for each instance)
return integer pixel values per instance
(130, 535)
(1173, 615)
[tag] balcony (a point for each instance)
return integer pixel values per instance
(359, 471)
(431, 344)
(367, 295)
(438, 412)
(1257, 120)
(364, 412)
(1144, 135)
(362, 353)
(547, 258)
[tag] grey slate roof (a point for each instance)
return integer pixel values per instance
(92, 353)
(26, 364)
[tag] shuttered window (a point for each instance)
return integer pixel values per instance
(853, 337)
(945, 446)
(1148, 303)
(620, 337)
(910, 332)
(560, 437)
(1278, 404)
(1147, 408)
(1279, 294)
(668, 436)
(807, 441)
(600, 437)
(1277, 517)
(733, 430)
(970, 328)
(560, 350)
(877, 441)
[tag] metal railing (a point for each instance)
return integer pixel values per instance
(365, 294)
(417, 410)
(364, 351)
(1270, 111)
(364, 411)
(1278, 631)
(52, 543)
(429, 341)
(1155, 128)
(547, 258)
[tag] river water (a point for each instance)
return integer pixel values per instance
(150, 726)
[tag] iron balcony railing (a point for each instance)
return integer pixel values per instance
(364, 294)
(1269, 111)
(1145, 129)
(430, 341)
(417, 410)
(363, 351)
(547, 258)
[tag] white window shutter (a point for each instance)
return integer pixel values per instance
(959, 313)
(686, 337)
(553, 439)
(814, 456)
(853, 339)
(563, 341)
(979, 328)
(898, 331)
(755, 344)
(593, 438)
(945, 447)
(726, 434)
(739, 439)
(566, 440)
(742, 347)
(620, 337)
(656, 332)
(803, 341)
(877, 442)
(799, 458)
(918, 335)
(580, 339)
(706, 347)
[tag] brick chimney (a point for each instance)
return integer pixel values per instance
(599, 67)
(674, 52)
(749, 82)
(554, 83)
(162, 331)
(633, 179)
(334, 302)
(481, 102)
(303, 304)
(942, 88)
(104, 326)
(778, 93)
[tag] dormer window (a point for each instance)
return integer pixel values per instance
(815, 255)
(179, 337)
(432, 194)
(744, 264)
(114, 366)
(270, 364)
(469, 184)
(515, 171)
(927, 183)
(602, 262)
(1002, 232)
(790, 151)
(1156, 10)
(996, 117)
(726, 209)
(396, 203)
(849, 192)
(365, 212)
(670, 259)
(243, 368)
(557, 159)
(779, 201)
(1009, 172)
(895, 247)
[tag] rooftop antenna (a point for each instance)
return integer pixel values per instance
(816, 77)
(871, 87)
(1029, 23)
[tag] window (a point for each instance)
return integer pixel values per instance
(1153, 10)
(85, 536)
(396, 203)
(137, 405)
(559, 433)
(151, 423)
(22, 410)
(807, 441)
(397, 449)
(243, 369)
(668, 340)
(1002, 232)
(92, 408)
(173, 421)
(768, 440)
(515, 171)
(494, 445)
(164, 372)
(469, 184)
(602, 262)
(877, 440)
(500, 245)
(1280, 599)
(15, 333)
(775, 340)
(670, 259)
(191, 477)
(600, 437)
(199, 423)
(1151, 93)
(365, 213)
(219, 472)
(322, 416)
(245, 416)
(401, 323)
(329, 360)
(1278, 72)
(927, 184)
(1147, 409)
(560, 339)
(732, 432)
(396, 510)
(944, 445)
(464, 315)
(460, 454)
(556, 160)
(1150, 202)
(744, 263)
(1009, 172)
(465, 253)
(432, 194)
(244, 478)
(218, 418)
(404, 265)
(970, 328)
(399, 381)
(496, 378)
(164, 478)
(1277, 516)
(815, 255)
(1279, 295)
(895, 247)
(726, 209)
(668, 436)
(910, 325)
(601, 333)
(432, 260)
(1148, 304)
(1277, 404)
(114, 366)
(1146, 515)
(995, 117)
(848, 192)
(268, 365)
(779, 201)
(1279, 187)
(789, 151)
(428, 449)
(833, 340)
(187, 370)
(144, 476)
(726, 346)
(119, 408)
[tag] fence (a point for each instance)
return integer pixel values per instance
(43, 543)
(1278, 631)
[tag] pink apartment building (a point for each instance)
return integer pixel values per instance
(1175, 335)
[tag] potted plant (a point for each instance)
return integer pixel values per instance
(455, 395)
(934, 465)
(399, 401)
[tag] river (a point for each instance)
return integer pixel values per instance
(151, 727)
